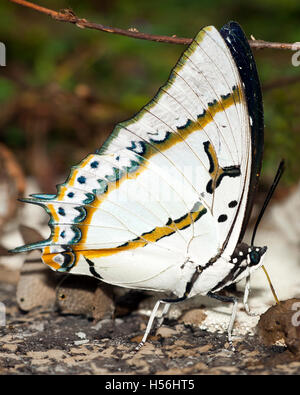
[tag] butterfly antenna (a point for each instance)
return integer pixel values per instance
(278, 175)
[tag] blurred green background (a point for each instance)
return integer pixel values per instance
(64, 88)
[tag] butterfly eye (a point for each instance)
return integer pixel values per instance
(254, 257)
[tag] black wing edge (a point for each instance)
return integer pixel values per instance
(241, 52)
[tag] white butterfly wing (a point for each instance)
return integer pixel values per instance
(167, 188)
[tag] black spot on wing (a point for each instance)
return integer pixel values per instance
(206, 145)
(222, 218)
(230, 171)
(232, 204)
(92, 268)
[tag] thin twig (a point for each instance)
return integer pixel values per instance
(260, 44)
(68, 15)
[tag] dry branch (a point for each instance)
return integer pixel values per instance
(68, 15)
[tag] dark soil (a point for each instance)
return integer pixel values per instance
(46, 342)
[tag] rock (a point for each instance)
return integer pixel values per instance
(36, 286)
(193, 317)
(85, 296)
(103, 302)
(282, 322)
(39, 286)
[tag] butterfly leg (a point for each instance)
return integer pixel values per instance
(246, 296)
(163, 314)
(149, 325)
(153, 314)
(233, 300)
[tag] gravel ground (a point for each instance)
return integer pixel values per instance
(46, 342)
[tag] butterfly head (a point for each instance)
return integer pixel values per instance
(255, 255)
(246, 259)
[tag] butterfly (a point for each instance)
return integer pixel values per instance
(164, 204)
